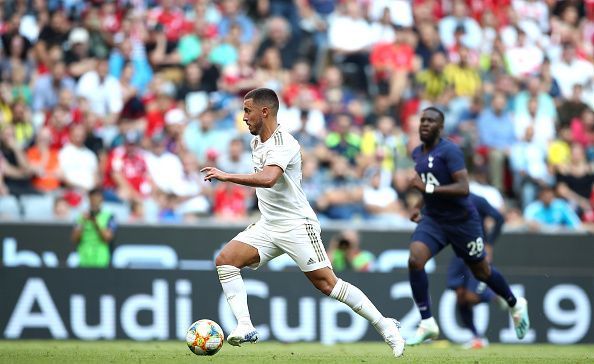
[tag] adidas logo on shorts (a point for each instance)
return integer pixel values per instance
(311, 261)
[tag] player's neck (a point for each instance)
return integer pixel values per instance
(267, 130)
(427, 146)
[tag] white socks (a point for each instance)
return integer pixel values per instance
(234, 289)
(358, 301)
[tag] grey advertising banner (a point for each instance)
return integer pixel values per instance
(63, 303)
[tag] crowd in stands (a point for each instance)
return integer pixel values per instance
(136, 96)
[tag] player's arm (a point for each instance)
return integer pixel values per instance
(265, 178)
(457, 189)
(498, 220)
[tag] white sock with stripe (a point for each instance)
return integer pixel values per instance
(358, 301)
(234, 289)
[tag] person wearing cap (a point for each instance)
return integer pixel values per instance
(175, 122)
(77, 57)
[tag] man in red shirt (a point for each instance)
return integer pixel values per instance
(126, 175)
(392, 63)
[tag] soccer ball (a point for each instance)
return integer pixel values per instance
(205, 337)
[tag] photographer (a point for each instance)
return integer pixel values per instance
(345, 254)
(94, 233)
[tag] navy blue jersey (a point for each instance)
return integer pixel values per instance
(485, 210)
(436, 167)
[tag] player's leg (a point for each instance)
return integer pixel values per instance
(234, 256)
(518, 306)
(458, 277)
(250, 248)
(304, 245)
(420, 253)
(326, 281)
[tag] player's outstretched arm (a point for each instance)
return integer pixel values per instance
(265, 178)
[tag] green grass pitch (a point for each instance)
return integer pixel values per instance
(62, 352)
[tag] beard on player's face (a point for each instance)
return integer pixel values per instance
(256, 126)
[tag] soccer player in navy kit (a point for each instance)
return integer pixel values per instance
(448, 217)
(469, 291)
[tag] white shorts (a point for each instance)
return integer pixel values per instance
(303, 244)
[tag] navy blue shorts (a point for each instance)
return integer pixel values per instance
(466, 237)
(459, 275)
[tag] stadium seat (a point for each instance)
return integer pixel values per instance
(37, 207)
(120, 211)
(9, 207)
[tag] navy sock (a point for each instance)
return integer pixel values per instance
(420, 290)
(498, 284)
(467, 316)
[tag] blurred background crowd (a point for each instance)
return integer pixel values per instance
(135, 96)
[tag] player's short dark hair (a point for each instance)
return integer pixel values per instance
(439, 112)
(265, 97)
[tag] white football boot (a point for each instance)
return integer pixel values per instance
(393, 338)
(428, 330)
(243, 334)
(519, 314)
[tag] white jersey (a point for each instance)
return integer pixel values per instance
(284, 205)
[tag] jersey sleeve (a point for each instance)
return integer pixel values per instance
(281, 155)
(455, 159)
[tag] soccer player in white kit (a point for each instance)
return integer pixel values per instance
(288, 225)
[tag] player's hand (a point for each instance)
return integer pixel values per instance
(415, 215)
(212, 172)
(415, 182)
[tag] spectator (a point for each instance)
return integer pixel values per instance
(381, 202)
(278, 36)
(103, 92)
(524, 58)
(344, 141)
(52, 35)
(528, 162)
(94, 233)
(164, 168)
(78, 58)
(192, 92)
(572, 107)
(582, 129)
(459, 17)
(127, 176)
(78, 164)
(534, 90)
(345, 254)
(575, 181)
(392, 63)
(270, 72)
(384, 144)
(47, 87)
(496, 132)
(464, 76)
(61, 209)
(16, 171)
(550, 214)
(44, 160)
(570, 70)
(22, 123)
(433, 81)
(236, 159)
(429, 43)
(349, 37)
(200, 136)
(543, 127)
(230, 201)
